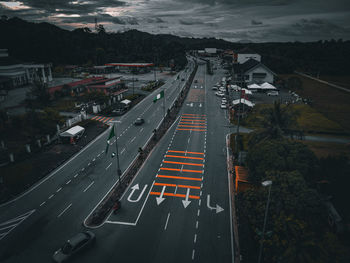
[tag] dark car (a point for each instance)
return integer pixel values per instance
(74, 245)
(139, 121)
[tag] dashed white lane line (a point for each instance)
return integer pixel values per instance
(94, 159)
(88, 186)
(51, 196)
(69, 182)
(141, 130)
(123, 150)
(195, 238)
(196, 224)
(133, 139)
(167, 220)
(98, 155)
(193, 251)
(82, 169)
(108, 166)
(89, 164)
(42, 203)
(59, 189)
(199, 203)
(64, 210)
(75, 176)
(198, 212)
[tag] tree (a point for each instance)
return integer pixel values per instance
(39, 93)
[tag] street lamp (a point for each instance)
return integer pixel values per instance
(265, 184)
(119, 172)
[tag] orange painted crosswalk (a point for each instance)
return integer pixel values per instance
(178, 185)
(184, 157)
(176, 195)
(191, 126)
(194, 164)
(179, 177)
(181, 170)
(190, 130)
(173, 151)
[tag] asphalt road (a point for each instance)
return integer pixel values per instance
(177, 209)
(35, 224)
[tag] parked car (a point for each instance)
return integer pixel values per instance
(219, 93)
(139, 121)
(74, 245)
(272, 93)
(222, 89)
(223, 100)
(223, 106)
(214, 88)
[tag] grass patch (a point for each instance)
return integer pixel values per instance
(330, 102)
(309, 119)
(324, 149)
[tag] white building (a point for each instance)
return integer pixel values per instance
(252, 71)
(23, 73)
(210, 51)
(246, 54)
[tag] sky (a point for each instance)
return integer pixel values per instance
(232, 20)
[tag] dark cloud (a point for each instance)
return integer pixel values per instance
(125, 21)
(255, 22)
(190, 21)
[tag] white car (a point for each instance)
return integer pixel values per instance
(222, 89)
(223, 106)
(214, 88)
(223, 100)
(219, 93)
(272, 93)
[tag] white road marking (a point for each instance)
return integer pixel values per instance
(198, 212)
(141, 130)
(42, 203)
(193, 251)
(64, 210)
(199, 203)
(123, 150)
(51, 196)
(166, 223)
(82, 169)
(89, 164)
(108, 166)
(59, 189)
(195, 238)
(69, 182)
(196, 224)
(88, 186)
(93, 159)
(75, 176)
(98, 155)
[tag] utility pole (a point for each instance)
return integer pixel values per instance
(119, 172)
(164, 103)
(239, 109)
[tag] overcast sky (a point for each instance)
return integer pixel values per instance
(233, 20)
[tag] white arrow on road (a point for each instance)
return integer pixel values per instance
(186, 202)
(133, 189)
(161, 198)
(217, 208)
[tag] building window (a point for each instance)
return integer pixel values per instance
(259, 75)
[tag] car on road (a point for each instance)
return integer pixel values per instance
(139, 121)
(223, 100)
(219, 93)
(74, 245)
(214, 88)
(222, 89)
(223, 106)
(272, 93)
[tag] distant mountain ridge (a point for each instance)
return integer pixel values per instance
(45, 42)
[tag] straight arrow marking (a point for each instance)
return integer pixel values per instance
(186, 202)
(161, 198)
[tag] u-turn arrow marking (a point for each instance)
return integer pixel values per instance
(133, 189)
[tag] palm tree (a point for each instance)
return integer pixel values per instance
(277, 123)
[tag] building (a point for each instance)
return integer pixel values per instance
(23, 73)
(131, 67)
(252, 71)
(244, 55)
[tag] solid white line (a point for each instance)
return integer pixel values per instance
(88, 186)
(64, 210)
(108, 166)
(51, 196)
(42, 203)
(166, 223)
(69, 182)
(59, 189)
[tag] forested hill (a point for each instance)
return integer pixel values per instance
(44, 42)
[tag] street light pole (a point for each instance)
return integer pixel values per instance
(119, 172)
(269, 184)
